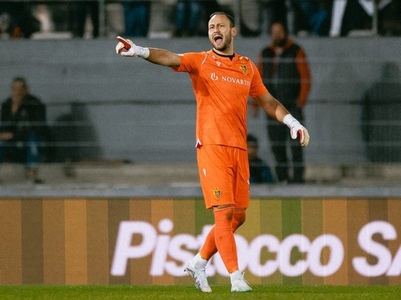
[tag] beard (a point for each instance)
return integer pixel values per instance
(224, 45)
(280, 42)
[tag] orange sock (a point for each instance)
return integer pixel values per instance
(224, 238)
(209, 247)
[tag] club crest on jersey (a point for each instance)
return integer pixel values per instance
(244, 69)
(217, 193)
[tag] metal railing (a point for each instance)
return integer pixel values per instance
(374, 137)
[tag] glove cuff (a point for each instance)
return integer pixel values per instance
(143, 52)
(290, 121)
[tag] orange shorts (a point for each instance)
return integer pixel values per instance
(224, 175)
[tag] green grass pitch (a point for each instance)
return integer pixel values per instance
(269, 292)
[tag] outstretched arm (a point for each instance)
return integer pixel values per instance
(277, 111)
(161, 57)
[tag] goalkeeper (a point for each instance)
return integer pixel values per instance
(222, 80)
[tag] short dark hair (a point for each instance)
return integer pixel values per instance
(280, 23)
(20, 79)
(230, 18)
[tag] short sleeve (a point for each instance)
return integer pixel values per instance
(190, 62)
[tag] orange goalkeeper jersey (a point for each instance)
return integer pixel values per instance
(221, 86)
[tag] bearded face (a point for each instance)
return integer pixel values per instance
(221, 33)
(280, 42)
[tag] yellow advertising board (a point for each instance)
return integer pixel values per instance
(287, 241)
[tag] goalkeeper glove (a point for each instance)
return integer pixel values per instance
(126, 47)
(296, 129)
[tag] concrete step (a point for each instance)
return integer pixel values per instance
(120, 172)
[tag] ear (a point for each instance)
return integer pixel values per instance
(234, 31)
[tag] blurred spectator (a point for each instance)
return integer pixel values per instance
(260, 172)
(349, 17)
(61, 15)
(355, 18)
(115, 19)
(271, 11)
(4, 25)
(136, 18)
(55, 17)
(381, 120)
(317, 15)
(23, 128)
(390, 19)
(286, 74)
(74, 137)
(187, 18)
(211, 6)
(81, 9)
(43, 14)
(17, 19)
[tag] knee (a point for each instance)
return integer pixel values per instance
(224, 212)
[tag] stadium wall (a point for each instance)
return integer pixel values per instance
(137, 111)
(126, 240)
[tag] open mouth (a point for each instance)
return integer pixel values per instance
(218, 38)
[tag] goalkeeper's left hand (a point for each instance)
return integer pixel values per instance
(296, 129)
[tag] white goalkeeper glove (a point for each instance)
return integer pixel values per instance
(126, 47)
(296, 129)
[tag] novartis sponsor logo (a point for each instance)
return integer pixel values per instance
(240, 81)
(170, 253)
